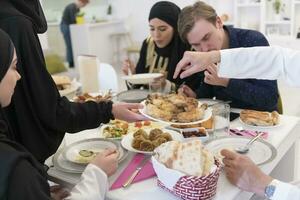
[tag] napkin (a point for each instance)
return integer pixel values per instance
(146, 172)
(247, 133)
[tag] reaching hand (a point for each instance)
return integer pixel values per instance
(187, 91)
(124, 111)
(242, 172)
(58, 192)
(212, 78)
(193, 62)
(107, 161)
(128, 65)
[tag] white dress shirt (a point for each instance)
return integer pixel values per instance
(265, 63)
(93, 185)
(261, 63)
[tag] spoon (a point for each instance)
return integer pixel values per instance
(245, 149)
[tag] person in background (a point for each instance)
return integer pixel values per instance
(201, 27)
(69, 17)
(38, 117)
(21, 175)
(163, 49)
(281, 63)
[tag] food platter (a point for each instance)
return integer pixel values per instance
(206, 116)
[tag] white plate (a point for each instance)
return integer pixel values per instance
(144, 78)
(127, 140)
(132, 96)
(210, 101)
(261, 152)
(71, 152)
(61, 164)
(207, 115)
(70, 92)
(259, 127)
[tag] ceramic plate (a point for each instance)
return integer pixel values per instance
(261, 152)
(70, 91)
(132, 96)
(259, 127)
(71, 152)
(145, 78)
(127, 140)
(61, 164)
(210, 101)
(207, 115)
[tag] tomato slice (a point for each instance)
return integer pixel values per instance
(147, 123)
(138, 124)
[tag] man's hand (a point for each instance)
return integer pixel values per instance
(193, 62)
(212, 78)
(242, 172)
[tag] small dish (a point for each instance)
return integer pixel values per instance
(96, 145)
(127, 140)
(195, 133)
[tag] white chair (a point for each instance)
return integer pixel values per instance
(96, 76)
(107, 77)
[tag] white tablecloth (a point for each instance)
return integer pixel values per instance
(282, 137)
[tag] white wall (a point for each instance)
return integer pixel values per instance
(135, 13)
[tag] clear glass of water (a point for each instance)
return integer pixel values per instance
(156, 86)
(221, 116)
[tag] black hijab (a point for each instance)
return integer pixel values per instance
(7, 53)
(30, 9)
(11, 153)
(40, 117)
(169, 12)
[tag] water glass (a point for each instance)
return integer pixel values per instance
(221, 118)
(156, 86)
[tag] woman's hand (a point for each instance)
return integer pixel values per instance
(107, 161)
(58, 192)
(124, 111)
(128, 67)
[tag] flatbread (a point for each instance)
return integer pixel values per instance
(189, 157)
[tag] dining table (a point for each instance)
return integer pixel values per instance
(282, 137)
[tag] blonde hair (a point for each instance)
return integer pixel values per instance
(190, 14)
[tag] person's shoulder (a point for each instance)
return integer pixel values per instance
(252, 37)
(250, 33)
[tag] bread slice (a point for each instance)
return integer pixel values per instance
(189, 157)
(259, 118)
